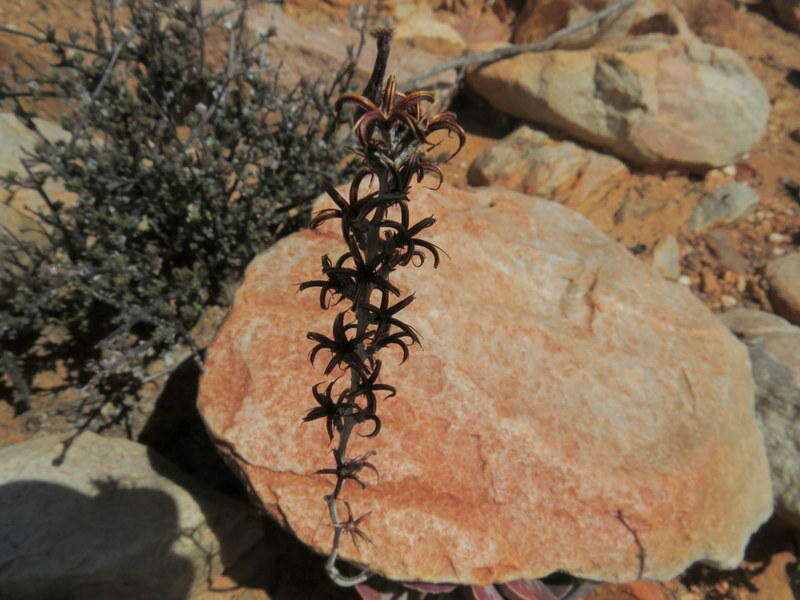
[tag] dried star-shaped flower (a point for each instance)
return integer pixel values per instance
(332, 412)
(394, 108)
(343, 348)
(384, 316)
(349, 468)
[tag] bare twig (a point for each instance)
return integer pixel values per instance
(109, 68)
(485, 58)
(46, 40)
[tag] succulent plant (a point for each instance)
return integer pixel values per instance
(559, 586)
(392, 132)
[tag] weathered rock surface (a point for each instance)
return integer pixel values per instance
(726, 204)
(783, 275)
(421, 29)
(774, 346)
(651, 99)
(307, 49)
(540, 18)
(564, 399)
(530, 161)
(115, 520)
(724, 250)
(788, 12)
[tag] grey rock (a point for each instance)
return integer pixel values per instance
(774, 346)
(114, 520)
(722, 248)
(726, 204)
(666, 258)
(783, 275)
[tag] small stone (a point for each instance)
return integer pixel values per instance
(721, 246)
(783, 276)
(778, 238)
(666, 258)
(710, 283)
(728, 301)
(685, 280)
(741, 283)
(729, 170)
(778, 251)
(727, 204)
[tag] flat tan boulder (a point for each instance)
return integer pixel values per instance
(568, 411)
(530, 161)
(658, 100)
(317, 47)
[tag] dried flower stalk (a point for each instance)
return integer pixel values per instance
(392, 133)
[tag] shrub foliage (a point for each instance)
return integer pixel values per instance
(185, 162)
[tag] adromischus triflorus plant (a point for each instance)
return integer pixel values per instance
(392, 134)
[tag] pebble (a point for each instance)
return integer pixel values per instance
(685, 280)
(726, 204)
(666, 258)
(710, 282)
(741, 284)
(729, 170)
(728, 301)
(778, 238)
(778, 251)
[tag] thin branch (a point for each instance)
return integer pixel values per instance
(37, 94)
(109, 68)
(45, 40)
(509, 51)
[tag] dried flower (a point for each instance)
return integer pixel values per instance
(392, 132)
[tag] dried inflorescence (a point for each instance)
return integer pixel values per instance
(393, 137)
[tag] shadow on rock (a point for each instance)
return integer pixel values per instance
(58, 543)
(279, 563)
(176, 431)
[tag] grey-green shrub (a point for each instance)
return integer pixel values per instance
(183, 171)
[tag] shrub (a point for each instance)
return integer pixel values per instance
(183, 167)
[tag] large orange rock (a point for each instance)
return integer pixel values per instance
(569, 410)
